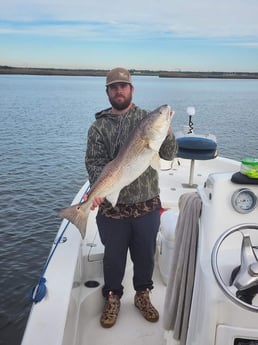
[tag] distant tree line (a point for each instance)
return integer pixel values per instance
(103, 72)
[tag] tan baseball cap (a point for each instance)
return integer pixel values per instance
(118, 75)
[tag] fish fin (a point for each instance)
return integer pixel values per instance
(77, 216)
(112, 198)
(155, 162)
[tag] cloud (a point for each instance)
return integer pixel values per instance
(245, 44)
(135, 19)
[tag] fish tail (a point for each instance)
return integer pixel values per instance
(77, 216)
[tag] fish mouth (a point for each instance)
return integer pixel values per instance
(169, 111)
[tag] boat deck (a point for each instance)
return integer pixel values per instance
(174, 181)
(71, 311)
(131, 327)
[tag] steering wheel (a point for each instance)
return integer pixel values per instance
(244, 279)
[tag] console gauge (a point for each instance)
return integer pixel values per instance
(244, 200)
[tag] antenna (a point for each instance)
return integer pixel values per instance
(191, 112)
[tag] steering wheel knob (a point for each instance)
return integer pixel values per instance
(253, 269)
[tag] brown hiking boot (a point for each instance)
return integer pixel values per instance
(110, 311)
(143, 303)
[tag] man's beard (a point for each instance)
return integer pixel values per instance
(121, 105)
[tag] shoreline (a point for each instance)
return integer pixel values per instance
(102, 73)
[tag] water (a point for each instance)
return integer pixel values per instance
(43, 129)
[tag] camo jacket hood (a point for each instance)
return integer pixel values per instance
(106, 135)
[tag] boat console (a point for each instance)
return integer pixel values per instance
(225, 291)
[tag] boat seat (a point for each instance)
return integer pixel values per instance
(196, 147)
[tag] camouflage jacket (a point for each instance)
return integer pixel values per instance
(105, 137)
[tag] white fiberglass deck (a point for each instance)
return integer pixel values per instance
(131, 327)
(70, 313)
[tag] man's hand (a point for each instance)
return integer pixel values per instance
(169, 130)
(96, 202)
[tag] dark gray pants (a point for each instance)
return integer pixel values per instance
(139, 236)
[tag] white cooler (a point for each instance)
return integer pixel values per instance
(166, 242)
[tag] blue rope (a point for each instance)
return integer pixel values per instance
(38, 292)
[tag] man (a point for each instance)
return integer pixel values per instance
(134, 222)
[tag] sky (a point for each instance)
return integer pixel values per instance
(181, 35)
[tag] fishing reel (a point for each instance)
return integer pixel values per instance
(240, 283)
